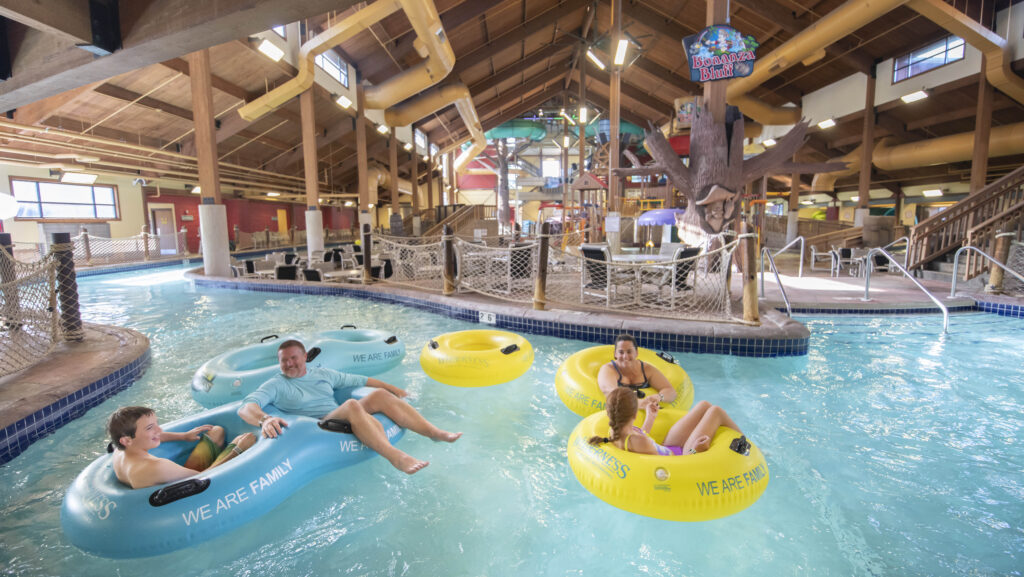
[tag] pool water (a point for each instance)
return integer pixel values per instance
(893, 449)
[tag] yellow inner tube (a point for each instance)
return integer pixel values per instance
(576, 380)
(477, 358)
(709, 485)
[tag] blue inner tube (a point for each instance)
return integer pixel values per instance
(102, 516)
(231, 376)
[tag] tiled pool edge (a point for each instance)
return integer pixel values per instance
(676, 342)
(17, 436)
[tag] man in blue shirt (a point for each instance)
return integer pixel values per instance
(311, 393)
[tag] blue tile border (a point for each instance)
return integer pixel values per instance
(1002, 309)
(744, 347)
(17, 436)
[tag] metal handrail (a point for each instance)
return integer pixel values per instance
(800, 273)
(892, 261)
(956, 265)
(767, 253)
(906, 254)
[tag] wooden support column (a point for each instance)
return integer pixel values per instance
(306, 109)
(393, 169)
(213, 219)
(203, 120)
(430, 178)
(793, 215)
(414, 177)
(614, 90)
(982, 133)
(566, 194)
(714, 90)
(867, 150)
(452, 179)
(365, 216)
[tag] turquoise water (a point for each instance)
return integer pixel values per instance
(893, 450)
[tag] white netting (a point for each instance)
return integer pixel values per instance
(29, 319)
(694, 286)
(91, 250)
(504, 272)
(415, 261)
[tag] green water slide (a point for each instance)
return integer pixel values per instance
(535, 131)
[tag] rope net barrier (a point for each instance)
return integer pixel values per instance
(91, 250)
(29, 319)
(414, 261)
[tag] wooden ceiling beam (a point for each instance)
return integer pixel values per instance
(842, 49)
(402, 43)
(630, 91)
(624, 113)
(515, 92)
(529, 60)
(517, 34)
(65, 19)
(46, 64)
(632, 9)
(38, 112)
(151, 103)
(684, 85)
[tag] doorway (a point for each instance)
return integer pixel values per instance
(163, 227)
(282, 221)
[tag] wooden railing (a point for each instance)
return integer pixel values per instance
(459, 218)
(424, 214)
(983, 236)
(845, 238)
(988, 210)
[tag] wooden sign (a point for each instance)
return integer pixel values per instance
(718, 53)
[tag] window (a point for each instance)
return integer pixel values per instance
(279, 30)
(421, 140)
(937, 54)
(552, 168)
(333, 65)
(43, 200)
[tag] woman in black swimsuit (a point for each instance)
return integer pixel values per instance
(630, 372)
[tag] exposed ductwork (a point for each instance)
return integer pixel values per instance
(1003, 141)
(431, 43)
(434, 100)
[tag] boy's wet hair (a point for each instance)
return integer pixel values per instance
(123, 422)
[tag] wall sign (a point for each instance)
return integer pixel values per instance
(719, 52)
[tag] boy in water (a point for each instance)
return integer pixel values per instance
(134, 431)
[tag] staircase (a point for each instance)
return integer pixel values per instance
(974, 220)
(460, 219)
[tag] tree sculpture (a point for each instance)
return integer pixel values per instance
(717, 173)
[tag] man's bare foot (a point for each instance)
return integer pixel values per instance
(446, 436)
(409, 464)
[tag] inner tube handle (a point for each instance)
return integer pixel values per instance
(343, 327)
(335, 426)
(510, 349)
(312, 353)
(268, 338)
(180, 490)
(667, 357)
(433, 344)
(391, 340)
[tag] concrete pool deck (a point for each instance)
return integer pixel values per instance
(77, 376)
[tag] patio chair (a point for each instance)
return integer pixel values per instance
(312, 274)
(677, 273)
(598, 277)
(286, 272)
(819, 255)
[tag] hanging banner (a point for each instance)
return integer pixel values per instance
(719, 52)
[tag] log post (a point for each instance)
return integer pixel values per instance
(748, 256)
(367, 254)
(67, 286)
(448, 250)
(540, 283)
(1002, 254)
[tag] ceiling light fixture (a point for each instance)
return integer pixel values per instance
(273, 194)
(270, 50)
(932, 192)
(565, 141)
(408, 146)
(593, 58)
(914, 96)
(855, 198)
(620, 51)
(569, 118)
(769, 142)
(343, 101)
(583, 114)
(827, 123)
(197, 190)
(78, 178)
(806, 202)
(383, 129)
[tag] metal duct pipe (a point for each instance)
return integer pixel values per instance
(993, 46)
(851, 16)
(431, 43)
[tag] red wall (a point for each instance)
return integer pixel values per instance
(478, 181)
(248, 215)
